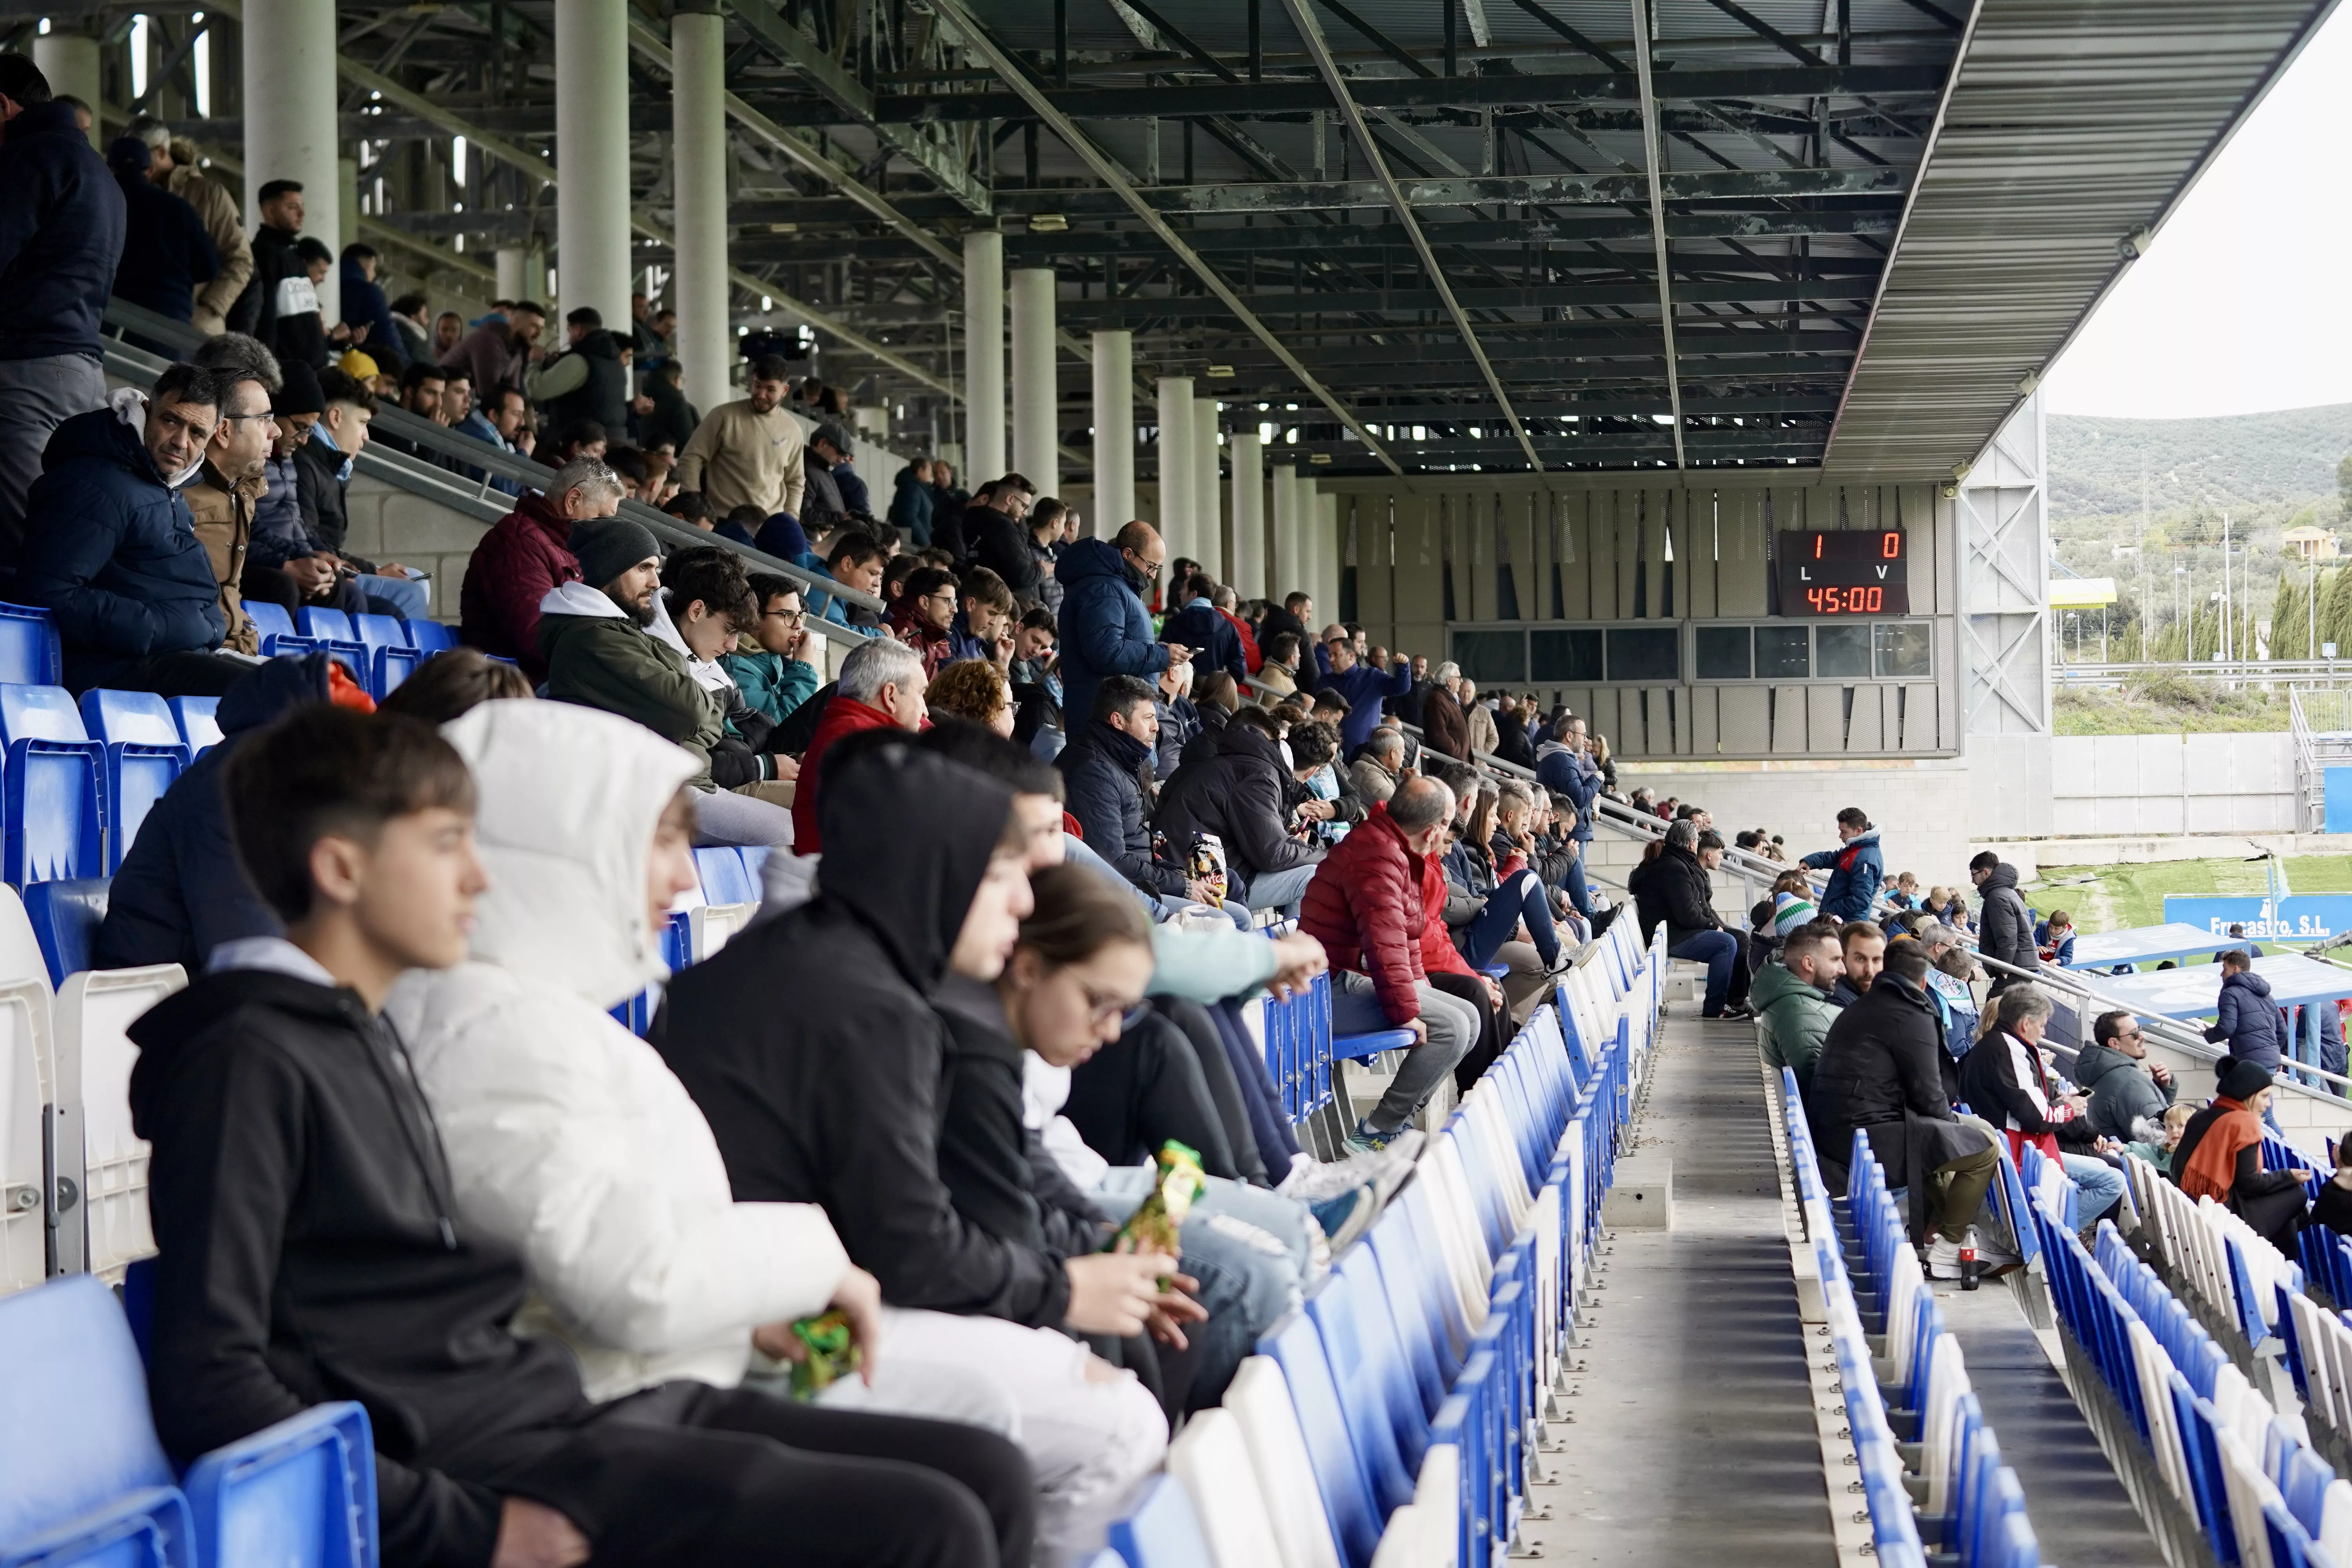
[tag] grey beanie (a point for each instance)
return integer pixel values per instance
(607, 546)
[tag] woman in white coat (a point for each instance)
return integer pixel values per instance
(568, 1138)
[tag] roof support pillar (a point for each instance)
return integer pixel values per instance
(591, 151)
(1175, 456)
(1208, 511)
(1114, 422)
(705, 345)
(289, 119)
(1036, 398)
(69, 60)
(1247, 565)
(984, 355)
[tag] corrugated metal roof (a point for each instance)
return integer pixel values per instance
(2069, 125)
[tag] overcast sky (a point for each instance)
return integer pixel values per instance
(2242, 305)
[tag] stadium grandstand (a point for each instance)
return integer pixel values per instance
(1101, 785)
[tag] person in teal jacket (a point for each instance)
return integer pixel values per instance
(773, 677)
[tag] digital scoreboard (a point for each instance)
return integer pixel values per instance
(1845, 573)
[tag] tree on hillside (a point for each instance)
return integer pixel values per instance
(2344, 483)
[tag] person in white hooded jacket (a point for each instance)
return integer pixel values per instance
(568, 1138)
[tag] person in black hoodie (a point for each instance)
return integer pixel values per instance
(811, 1044)
(1107, 769)
(180, 892)
(1242, 795)
(307, 1252)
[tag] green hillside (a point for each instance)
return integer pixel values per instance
(2096, 465)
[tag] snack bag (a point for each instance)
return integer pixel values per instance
(1207, 864)
(1153, 1227)
(831, 1354)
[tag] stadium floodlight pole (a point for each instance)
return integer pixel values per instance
(1302, 17)
(1009, 70)
(1653, 156)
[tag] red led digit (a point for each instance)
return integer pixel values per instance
(1878, 595)
(1813, 597)
(1891, 546)
(1817, 547)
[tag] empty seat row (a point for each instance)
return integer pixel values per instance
(2233, 1469)
(2230, 1273)
(78, 779)
(381, 650)
(1396, 1420)
(1952, 1497)
(723, 900)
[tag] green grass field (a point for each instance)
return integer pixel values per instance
(2115, 897)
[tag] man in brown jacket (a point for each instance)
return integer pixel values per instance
(172, 163)
(223, 497)
(1443, 727)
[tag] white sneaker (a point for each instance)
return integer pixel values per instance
(1943, 1258)
(1992, 1254)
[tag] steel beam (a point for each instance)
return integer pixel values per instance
(983, 43)
(1653, 160)
(1257, 100)
(789, 44)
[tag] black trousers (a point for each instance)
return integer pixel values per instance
(1143, 1089)
(1472, 988)
(194, 674)
(734, 1478)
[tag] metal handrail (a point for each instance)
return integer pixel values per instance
(440, 439)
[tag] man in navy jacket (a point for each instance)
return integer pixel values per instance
(62, 223)
(1360, 684)
(1106, 630)
(111, 551)
(1199, 626)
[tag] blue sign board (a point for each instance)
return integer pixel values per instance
(2304, 917)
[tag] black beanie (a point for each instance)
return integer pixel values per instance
(2237, 1079)
(298, 392)
(607, 546)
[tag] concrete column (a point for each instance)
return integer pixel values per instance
(289, 117)
(591, 154)
(1114, 406)
(983, 357)
(1036, 398)
(347, 202)
(1282, 559)
(1175, 457)
(71, 62)
(706, 339)
(511, 263)
(1208, 502)
(1322, 513)
(1248, 563)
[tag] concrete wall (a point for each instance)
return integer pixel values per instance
(2125, 785)
(388, 523)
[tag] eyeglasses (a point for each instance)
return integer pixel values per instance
(1151, 568)
(790, 617)
(1102, 1009)
(241, 419)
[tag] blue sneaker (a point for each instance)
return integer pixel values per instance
(1347, 1216)
(1369, 1140)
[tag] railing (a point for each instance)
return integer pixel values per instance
(474, 498)
(2329, 670)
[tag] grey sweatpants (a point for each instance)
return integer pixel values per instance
(37, 395)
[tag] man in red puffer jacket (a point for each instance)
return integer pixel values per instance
(1371, 907)
(523, 558)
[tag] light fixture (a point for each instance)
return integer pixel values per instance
(1219, 372)
(2134, 244)
(1047, 223)
(1319, 458)
(2028, 382)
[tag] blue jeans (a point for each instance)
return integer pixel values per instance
(1718, 949)
(1248, 1249)
(2101, 1184)
(1234, 908)
(1578, 893)
(1280, 889)
(406, 597)
(1520, 896)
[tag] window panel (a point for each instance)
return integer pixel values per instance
(1644, 654)
(1842, 652)
(1565, 655)
(1783, 653)
(1493, 655)
(1723, 653)
(1905, 651)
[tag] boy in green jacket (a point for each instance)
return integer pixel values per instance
(766, 665)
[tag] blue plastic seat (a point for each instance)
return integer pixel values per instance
(391, 658)
(1384, 1412)
(144, 754)
(429, 637)
(30, 654)
(301, 1494)
(726, 879)
(198, 719)
(82, 1478)
(52, 811)
(1348, 1500)
(333, 631)
(275, 629)
(1162, 1531)
(66, 917)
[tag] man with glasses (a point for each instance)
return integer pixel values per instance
(1106, 628)
(222, 498)
(111, 551)
(2125, 1087)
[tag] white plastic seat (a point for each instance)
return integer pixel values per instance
(1212, 1459)
(27, 1098)
(94, 1054)
(1259, 1399)
(20, 951)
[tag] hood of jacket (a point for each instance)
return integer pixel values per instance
(2002, 875)
(908, 836)
(2095, 1061)
(598, 344)
(1549, 748)
(110, 434)
(1122, 749)
(569, 800)
(578, 599)
(1091, 558)
(1776, 981)
(2246, 980)
(277, 686)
